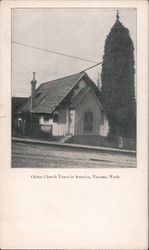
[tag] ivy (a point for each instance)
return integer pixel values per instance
(117, 79)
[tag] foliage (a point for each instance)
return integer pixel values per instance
(118, 81)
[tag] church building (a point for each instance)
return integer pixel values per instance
(66, 107)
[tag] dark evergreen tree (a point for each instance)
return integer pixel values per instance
(118, 81)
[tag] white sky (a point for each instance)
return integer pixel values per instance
(76, 32)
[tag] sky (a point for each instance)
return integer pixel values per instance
(72, 31)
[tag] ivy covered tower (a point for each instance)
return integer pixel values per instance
(117, 79)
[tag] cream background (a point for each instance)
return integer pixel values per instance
(74, 214)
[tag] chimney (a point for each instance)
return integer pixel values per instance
(33, 88)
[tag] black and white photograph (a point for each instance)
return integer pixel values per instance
(74, 124)
(73, 87)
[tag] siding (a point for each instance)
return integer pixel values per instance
(59, 128)
(104, 126)
(88, 102)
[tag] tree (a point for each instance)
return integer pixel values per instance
(117, 79)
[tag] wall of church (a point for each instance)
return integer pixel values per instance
(100, 124)
(104, 126)
(72, 121)
(59, 128)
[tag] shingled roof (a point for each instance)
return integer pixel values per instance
(50, 94)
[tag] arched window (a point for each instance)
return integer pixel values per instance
(88, 121)
(55, 117)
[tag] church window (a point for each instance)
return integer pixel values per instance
(46, 117)
(88, 121)
(55, 117)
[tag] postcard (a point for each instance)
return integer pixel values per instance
(74, 125)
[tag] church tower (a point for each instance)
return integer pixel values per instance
(118, 80)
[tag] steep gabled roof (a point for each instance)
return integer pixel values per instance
(50, 94)
(82, 94)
